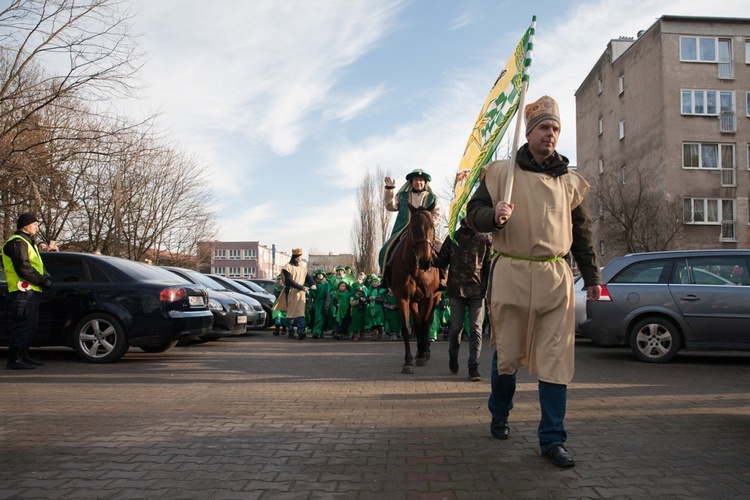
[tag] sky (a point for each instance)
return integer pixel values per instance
(291, 104)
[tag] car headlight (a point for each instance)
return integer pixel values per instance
(215, 305)
(245, 306)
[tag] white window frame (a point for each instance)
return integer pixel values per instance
(250, 254)
(234, 254)
(704, 97)
(747, 51)
(249, 271)
(599, 87)
(621, 130)
(601, 126)
(601, 164)
(624, 174)
(697, 48)
(711, 207)
(217, 270)
(720, 146)
(621, 84)
(220, 254)
(747, 102)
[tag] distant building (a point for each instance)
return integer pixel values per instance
(242, 259)
(329, 262)
(675, 101)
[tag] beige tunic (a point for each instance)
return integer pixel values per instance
(532, 305)
(295, 301)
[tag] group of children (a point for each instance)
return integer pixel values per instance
(352, 307)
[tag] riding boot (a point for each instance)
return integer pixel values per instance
(16, 362)
(28, 359)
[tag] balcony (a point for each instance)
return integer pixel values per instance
(726, 71)
(728, 177)
(727, 122)
(728, 230)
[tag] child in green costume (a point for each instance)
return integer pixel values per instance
(358, 310)
(375, 317)
(392, 318)
(320, 300)
(340, 300)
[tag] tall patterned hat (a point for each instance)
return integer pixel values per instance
(545, 108)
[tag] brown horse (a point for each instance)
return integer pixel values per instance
(415, 283)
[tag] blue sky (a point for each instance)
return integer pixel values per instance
(291, 103)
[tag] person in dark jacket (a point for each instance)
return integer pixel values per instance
(469, 260)
(26, 276)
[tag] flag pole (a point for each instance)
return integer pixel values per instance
(514, 148)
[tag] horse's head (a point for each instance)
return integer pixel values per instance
(422, 234)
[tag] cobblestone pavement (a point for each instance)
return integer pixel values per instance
(264, 417)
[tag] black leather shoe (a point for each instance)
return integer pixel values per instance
(559, 456)
(499, 428)
(28, 359)
(453, 365)
(474, 375)
(16, 361)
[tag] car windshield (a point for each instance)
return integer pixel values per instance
(254, 287)
(202, 279)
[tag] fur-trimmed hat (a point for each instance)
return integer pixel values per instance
(296, 251)
(545, 108)
(418, 173)
(25, 219)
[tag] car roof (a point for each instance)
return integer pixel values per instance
(619, 263)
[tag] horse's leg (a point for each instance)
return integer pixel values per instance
(403, 309)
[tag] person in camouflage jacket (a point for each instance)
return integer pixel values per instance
(468, 259)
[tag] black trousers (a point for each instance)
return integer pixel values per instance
(24, 316)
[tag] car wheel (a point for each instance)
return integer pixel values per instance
(99, 338)
(159, 348)
(655, 340)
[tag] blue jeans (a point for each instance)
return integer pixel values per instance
(459, 306)
(24, 316)
(552, 399)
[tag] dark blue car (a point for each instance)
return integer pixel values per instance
(100, 306)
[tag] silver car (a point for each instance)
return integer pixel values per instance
(660, 302)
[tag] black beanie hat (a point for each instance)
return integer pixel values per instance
(25, 219)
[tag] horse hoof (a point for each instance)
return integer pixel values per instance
(407, 370)
(421, 361)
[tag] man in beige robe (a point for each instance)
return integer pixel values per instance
(532, 308)
(296, 281)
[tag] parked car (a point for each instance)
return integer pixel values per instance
(100, 306)
(267, 285)
(661, 302)
(257, 292)
(232, 314)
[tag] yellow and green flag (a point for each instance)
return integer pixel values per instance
(498, 110)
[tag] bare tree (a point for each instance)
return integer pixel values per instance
(634, 214)
(364, 232)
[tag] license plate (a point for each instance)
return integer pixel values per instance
(241, 319)
(196, 300)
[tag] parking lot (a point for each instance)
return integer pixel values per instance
(264, 417)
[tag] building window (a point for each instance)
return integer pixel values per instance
(621, 84)
(601, 248)
(601, 165)
(250, 254)
(747, 51)
(249, 271)
(725, 58)
(706, 102)
(705, 211)
(220, 254)
(621, 132)
(747, 100)
(624, 174)
(697, 155)
(601, 126)
(698, 49)
(599, 86)
(234, 254)
(217, 270)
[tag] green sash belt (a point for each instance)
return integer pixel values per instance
(532, 259)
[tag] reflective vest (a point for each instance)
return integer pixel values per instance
(10, 272)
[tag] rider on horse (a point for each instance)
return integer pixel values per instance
(417, 193)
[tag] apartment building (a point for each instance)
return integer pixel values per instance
(244, 259)
(675, 103)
